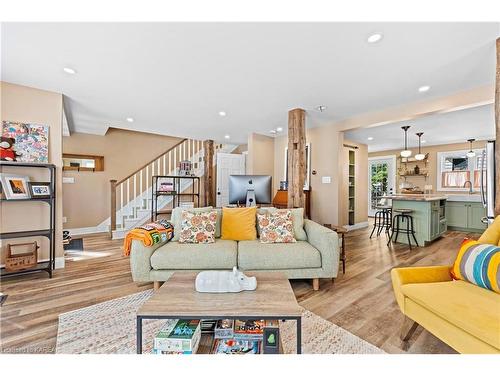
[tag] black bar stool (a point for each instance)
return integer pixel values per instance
(403, 215)
(382, 219)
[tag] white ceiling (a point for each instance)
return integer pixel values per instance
(444, 128)
(174, 78)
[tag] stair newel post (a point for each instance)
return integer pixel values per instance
(112, 214)
(208, 180)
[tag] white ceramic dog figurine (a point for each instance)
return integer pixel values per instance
(224, 282)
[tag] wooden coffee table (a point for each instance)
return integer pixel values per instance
(177, 299)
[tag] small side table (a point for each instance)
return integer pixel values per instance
(341, 231)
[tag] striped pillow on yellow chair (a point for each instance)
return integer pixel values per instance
(478, 264)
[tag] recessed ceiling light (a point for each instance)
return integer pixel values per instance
(130, 119)
(227, 136)
(272, 131)
(424, 88)
(279, 129)
(374, 38)
(321, 108)
(370, 138)
(222, 113)
(69, 70)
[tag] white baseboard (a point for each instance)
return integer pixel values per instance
(363, 224)
(85, 230)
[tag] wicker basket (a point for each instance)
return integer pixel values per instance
(21, 261)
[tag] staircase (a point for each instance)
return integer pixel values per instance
(131, 196)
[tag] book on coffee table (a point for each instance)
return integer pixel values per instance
(233, 346)
(178, 336)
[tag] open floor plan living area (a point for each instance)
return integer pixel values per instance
(249, 188)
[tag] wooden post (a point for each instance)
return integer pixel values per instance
(296, 157)
(497, 122)
(208, 181)
(112, 214)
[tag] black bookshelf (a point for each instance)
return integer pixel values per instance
(45, 266)
(176, 195)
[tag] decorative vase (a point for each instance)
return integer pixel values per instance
(417, 169)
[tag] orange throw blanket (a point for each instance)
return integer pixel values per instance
(150, 234)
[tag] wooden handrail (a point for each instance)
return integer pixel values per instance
(156, 158)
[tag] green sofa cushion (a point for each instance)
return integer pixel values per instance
(253, 255)
(221, 254)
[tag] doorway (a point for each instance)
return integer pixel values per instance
(227, 164)
(381, 180)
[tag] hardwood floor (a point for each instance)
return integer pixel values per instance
(361, 301)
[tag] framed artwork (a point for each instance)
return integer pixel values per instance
(15, 186)
(31, 141)
(308, 166)
(40, 189)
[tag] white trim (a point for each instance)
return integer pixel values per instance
(85, 230)
(394, 180)
(363, 224)
(440, 154)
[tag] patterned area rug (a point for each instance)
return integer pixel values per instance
(109, 327)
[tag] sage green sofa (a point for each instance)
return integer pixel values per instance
(314, 257)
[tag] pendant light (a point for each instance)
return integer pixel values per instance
(406, 153)
(420, 156)
(471, 152)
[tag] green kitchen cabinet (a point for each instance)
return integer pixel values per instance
(465, 216)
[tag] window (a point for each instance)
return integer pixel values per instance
(455, 168)
(82, 163)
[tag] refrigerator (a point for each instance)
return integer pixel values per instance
(488, 182)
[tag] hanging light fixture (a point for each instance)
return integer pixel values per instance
(406, 153)
(471, 152)
(420, 156)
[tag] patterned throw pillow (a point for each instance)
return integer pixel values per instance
(276, 227)
(198, 227)
(478, 264)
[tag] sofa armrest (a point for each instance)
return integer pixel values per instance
(140, 260)
(414, 275)
(327, 243)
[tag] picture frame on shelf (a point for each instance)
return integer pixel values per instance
(40, 190)
(15, 186)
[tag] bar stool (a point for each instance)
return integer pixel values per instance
(382, 219)
(402, 215)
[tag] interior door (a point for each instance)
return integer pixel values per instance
(381, 180)
(227, 164)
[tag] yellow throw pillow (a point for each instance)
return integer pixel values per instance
(492, 234)
(238, 224)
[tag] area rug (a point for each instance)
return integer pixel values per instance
(109, 327)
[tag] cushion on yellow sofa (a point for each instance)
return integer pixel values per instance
(473, 309)
(492, 234)
(238, 224)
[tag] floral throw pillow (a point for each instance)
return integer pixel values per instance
(198, 227)
(276, 227)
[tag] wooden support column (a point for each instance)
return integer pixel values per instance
(497, 122)
(296, 157)
(208, 180)
(112, 214)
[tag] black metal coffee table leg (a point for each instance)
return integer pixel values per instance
(299, 335)
(139, 335)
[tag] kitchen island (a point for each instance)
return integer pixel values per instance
(429, 215)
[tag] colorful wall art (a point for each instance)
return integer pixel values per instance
(32, 141)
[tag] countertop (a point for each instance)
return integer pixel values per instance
(417, 197)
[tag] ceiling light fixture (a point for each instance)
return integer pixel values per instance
(69, 70)
(370, 138)
(227, 136)
(272, 131)
(321, 108)
(471, 152)
(406, 153)
(424, 88)
(374, 38)
(420, 156)
(424, 141)
(279, 129)
(222, 114)
(130, 119)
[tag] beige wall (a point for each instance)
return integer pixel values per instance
(325, 156)
(87, 201)
(260, 155)
(360, 186)
(29, 105)
(432, 164)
